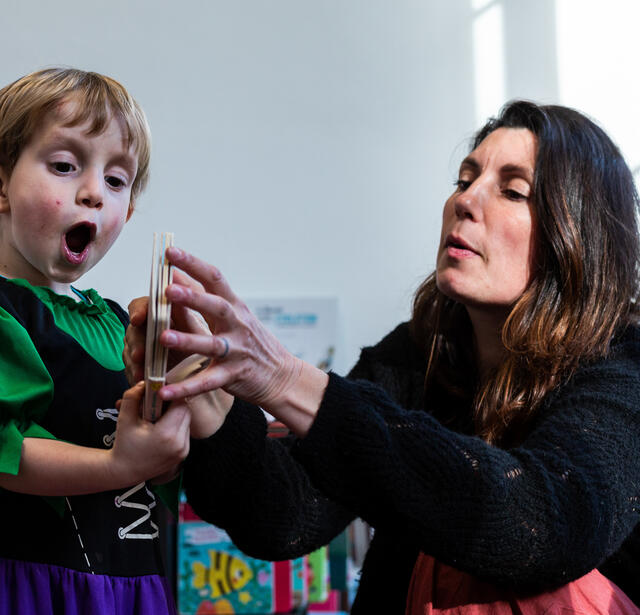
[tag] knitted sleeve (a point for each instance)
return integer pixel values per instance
(534, 516)
(251, 486)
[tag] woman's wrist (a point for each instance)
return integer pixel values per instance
(299, 402)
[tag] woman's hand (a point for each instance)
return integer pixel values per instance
(247, 360)
(208, 409)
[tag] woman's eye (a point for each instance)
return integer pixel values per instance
(114, 182)
(514, 195)
(63, 167)
(462, 184)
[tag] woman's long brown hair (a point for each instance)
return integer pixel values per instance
(584, 287)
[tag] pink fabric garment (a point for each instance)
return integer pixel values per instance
(438, 589)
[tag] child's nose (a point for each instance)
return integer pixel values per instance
(91, 191)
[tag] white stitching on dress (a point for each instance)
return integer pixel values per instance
(84, 552)
(121, 500)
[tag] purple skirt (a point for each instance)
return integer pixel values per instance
(41, 589)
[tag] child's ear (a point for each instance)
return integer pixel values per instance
(132, 206)
(4, 199)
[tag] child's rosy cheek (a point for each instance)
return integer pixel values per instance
(53, 203)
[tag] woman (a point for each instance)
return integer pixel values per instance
(496, 433)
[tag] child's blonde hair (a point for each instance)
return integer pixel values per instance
(25, 102)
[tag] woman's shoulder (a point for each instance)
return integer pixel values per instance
(613, 376)
(627, 340)
(623, 355)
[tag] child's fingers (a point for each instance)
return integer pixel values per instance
(130, 402)
(175, 423)
(138, 311)
(133, 352)
(135, 393)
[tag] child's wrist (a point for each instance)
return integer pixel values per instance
(120, 473)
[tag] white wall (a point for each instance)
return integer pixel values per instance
(304, 146)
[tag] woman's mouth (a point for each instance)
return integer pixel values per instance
(75, 243)
(456, 247)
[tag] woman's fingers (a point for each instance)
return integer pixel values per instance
(186, 319)
(180, 277)
(209, 276)
(248, 361)
(210, 379)
(216, 347)
(217, 311)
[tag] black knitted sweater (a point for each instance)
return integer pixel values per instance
(532, 517)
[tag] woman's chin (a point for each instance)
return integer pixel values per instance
(450, 285)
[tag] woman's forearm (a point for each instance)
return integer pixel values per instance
(253, 487)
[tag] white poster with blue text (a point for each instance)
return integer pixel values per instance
(307, 327)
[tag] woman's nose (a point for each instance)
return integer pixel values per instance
(469, 203)
(91, 191)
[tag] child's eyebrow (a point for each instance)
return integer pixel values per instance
(126, 160)
(60, 138)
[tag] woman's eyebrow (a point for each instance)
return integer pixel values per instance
(515, 169)
(508, 169)
(470, 161)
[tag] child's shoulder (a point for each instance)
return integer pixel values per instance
(119, 311)
(17, 296)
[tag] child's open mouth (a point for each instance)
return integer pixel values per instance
(77, 240)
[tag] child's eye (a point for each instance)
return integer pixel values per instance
(63, 167)
(114, 182)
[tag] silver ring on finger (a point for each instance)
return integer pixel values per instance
(225, 352)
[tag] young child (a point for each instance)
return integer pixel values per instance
(74, 156)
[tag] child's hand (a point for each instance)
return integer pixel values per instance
(144, 450)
